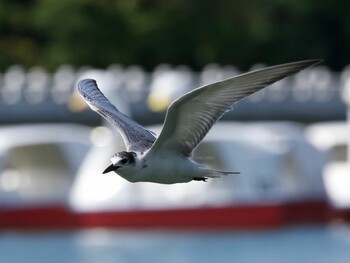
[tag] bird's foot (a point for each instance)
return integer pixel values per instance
(204, 179)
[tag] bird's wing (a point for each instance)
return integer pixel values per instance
(190, 117)
(136, 138)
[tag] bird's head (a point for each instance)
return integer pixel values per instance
(121, 160)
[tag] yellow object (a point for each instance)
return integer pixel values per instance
(158, 102)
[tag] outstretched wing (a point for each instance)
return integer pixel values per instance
(136, 138)
(190, 117)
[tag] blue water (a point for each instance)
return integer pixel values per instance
(297, 244)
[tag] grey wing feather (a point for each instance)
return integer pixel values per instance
(190, 117)
(136, 138)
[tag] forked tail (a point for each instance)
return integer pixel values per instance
(217, 173)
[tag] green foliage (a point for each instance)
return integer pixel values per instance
(99, 33)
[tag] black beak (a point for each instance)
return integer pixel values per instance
(110, 169)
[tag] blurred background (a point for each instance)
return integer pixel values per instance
(291, 202)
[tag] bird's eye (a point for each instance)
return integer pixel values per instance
(124, 161)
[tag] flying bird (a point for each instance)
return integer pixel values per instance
(167, 159)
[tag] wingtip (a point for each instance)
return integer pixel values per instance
(309, 63)
(84, 83)
(315, 61)
(303, 63)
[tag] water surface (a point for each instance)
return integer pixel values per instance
(297, 244)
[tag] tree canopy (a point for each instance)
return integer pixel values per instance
(99, 33)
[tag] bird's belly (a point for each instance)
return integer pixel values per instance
(169, 172)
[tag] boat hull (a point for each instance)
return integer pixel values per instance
(229, 217)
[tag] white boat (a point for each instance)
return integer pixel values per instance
(280, 181)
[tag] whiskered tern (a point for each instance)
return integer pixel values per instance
(167, 159)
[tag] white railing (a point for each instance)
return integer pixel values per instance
(36, 85)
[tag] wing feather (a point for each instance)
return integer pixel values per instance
(136, 138)
(190, 117)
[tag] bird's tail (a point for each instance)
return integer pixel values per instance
(217, 173)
